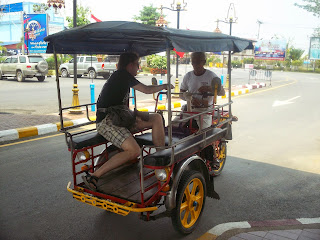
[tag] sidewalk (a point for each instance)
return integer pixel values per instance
(285, 229)
(16, 126)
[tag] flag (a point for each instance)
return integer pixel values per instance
(180, 54)
(96, 19)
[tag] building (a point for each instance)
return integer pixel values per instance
(12, 26)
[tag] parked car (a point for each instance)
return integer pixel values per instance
(88, 65)
(24, 66)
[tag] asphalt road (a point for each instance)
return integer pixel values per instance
(272, 172)
(33, 97)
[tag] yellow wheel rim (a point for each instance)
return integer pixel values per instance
(191, 203)
(222, 154)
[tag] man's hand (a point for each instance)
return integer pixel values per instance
(205, 89)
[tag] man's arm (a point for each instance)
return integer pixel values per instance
(147, 89)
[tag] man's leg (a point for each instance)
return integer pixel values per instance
(156, 123)
(131, 150)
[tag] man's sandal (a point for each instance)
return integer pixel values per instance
(90, 181)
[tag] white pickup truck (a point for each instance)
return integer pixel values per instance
(24, 66)
(88, 65)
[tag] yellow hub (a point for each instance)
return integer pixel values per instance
(192, 202)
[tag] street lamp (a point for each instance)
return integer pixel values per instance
(230, 19)
(178, 8)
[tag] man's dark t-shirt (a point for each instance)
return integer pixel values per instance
(115, 91)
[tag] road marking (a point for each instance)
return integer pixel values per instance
(265, 90)
(285, 102)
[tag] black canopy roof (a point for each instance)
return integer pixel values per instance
(116, 37)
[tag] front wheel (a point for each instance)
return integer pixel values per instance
(191, 197)
(20, 76)
(41, 78)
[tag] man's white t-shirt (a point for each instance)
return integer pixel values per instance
(192, 83)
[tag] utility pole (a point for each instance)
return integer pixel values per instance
(259, 22)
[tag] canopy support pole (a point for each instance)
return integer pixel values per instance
(58, 85)
(229, 75)
(169, 95)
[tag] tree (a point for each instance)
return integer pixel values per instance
(316, 32)
(148, 15)
(312, 6)
(40, 8)
(295, 54)
(82, 19)
(3, 50)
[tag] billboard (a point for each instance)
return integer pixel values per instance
(35, 30)
(314, 52)
(274, 49)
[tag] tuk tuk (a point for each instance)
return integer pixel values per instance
(175, 180)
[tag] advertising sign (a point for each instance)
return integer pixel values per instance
(314, 52)
(35, 30)
(270, 49)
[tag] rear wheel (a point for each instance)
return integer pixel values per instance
(221, 153)
(0, 75)
(79, 76)
(41, 78)
(64, 73)
(191, 197)
(92, 74)
(20, 76)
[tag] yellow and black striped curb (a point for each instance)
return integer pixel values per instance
(215, 232)
(13, 134)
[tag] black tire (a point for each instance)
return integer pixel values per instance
(41, 78)
(79, 76)
(221, 152)
(64, 73)
(0, 75)
(20, 76)
(92, 74)
(185, 216)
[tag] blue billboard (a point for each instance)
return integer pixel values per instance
(314, 52)
(35, 30)
(274, 49)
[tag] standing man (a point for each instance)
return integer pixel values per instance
(115, 92)
(201, 80)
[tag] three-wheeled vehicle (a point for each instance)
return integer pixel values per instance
(175, 180)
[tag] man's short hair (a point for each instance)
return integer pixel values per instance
(199, 55)
(127, 58)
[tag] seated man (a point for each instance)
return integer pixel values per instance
(200, 80)
(115, 94)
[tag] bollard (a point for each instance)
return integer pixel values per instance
(227, 82)
(160, 83)
(93, 107)
(132, 94)
(222, 79)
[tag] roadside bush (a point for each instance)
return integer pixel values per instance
(145, 69)
(60, 58)
(236, 64)
(156, 61)
(248, 60)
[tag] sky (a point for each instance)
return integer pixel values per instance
(280, 18)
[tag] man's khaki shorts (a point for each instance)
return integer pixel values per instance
(114, 134)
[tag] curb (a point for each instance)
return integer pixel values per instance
(220, 229)
(14, 134)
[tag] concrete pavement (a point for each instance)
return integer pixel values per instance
(16, 126)
(284, 229)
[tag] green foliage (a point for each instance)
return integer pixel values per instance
(236, 64)
(156, 61)
(297, 63)
(40, 8)
(316, 32)
(295, 53)
(312, 6)
(214, 59)
(148, 15)
(60, 59)
(248, 60)
(3, 50)
(82, 19)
